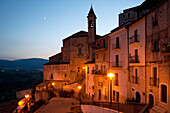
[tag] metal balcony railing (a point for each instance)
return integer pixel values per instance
(99, 72)
(134, 59)
(101, 47)
(116, 82)
(134, 39)
(135, 80)
(100, 83)
(115, 46)
(154, 81)
(117, 64)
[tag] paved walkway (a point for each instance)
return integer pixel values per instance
(58, 105)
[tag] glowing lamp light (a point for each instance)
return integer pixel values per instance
(110, 75)
(26, 96)
(20, 103)
(53, 83)
(79, 87)
(83, 67)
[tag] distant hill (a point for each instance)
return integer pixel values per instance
(32, 63)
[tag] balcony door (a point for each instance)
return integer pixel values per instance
(117, 60)
(136, 55)
(164, 93)
(155, 76)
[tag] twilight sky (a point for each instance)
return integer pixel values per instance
(35, 28)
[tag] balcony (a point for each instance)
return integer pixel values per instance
(134, 59)
(100, 83)
(99, 72)
(154, 81)
(115, 47)
(100, 48)
(116, 82)
(116, 64)
(134, 40)
(135, 80)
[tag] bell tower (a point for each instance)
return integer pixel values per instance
(91, 26)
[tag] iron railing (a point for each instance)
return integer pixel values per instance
(135, 80)
(134, 39)
(154, 81)
(99, 72)
(120, 107)
(134, 59)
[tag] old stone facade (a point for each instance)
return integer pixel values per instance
(67, 67)
(137, 52)
(157, 57)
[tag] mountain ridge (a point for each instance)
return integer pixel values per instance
(30, 63)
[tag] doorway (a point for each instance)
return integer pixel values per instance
(164, 93)
(151, 101)
(138, 97)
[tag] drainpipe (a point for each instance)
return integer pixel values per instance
(129, 83)
(145, 61)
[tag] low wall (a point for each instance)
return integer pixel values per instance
(92, 108)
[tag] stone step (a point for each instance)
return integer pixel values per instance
(152, 111)
(159, 109)
(162, 105)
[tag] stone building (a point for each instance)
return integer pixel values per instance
(158, 57)
(136, 42)
(67, 67)
(119, 63)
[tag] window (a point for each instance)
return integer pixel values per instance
(103, 57)
(136, 35)
(96, 67)
(117, 60)
(65, 75)
(117, 42)
(116, 79)
(154, 21)
(117, 100)
(104, 45)
(78, 69)
(51, 76)
(136, 55)
(155, 46)
(96, 56)
(113, 95)
(128, 14)
(79, 51)
(136, 75)
(91, 23)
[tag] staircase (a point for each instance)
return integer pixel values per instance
(159, 108)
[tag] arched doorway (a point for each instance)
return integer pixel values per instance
(151, 101)
(164, 93)
(138, 98)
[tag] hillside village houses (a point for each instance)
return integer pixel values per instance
(137, 52)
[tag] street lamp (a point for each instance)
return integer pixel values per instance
(27, 96)
(79, 87)
(110, 75)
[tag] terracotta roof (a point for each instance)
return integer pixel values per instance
(54, 63)
(78, 34)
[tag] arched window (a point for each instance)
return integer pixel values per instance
(91, 23)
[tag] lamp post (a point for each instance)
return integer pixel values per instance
(79, 87)
(110, 75)
(53, 87)
(27, 96)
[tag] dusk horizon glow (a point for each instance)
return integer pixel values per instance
(35, 29)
